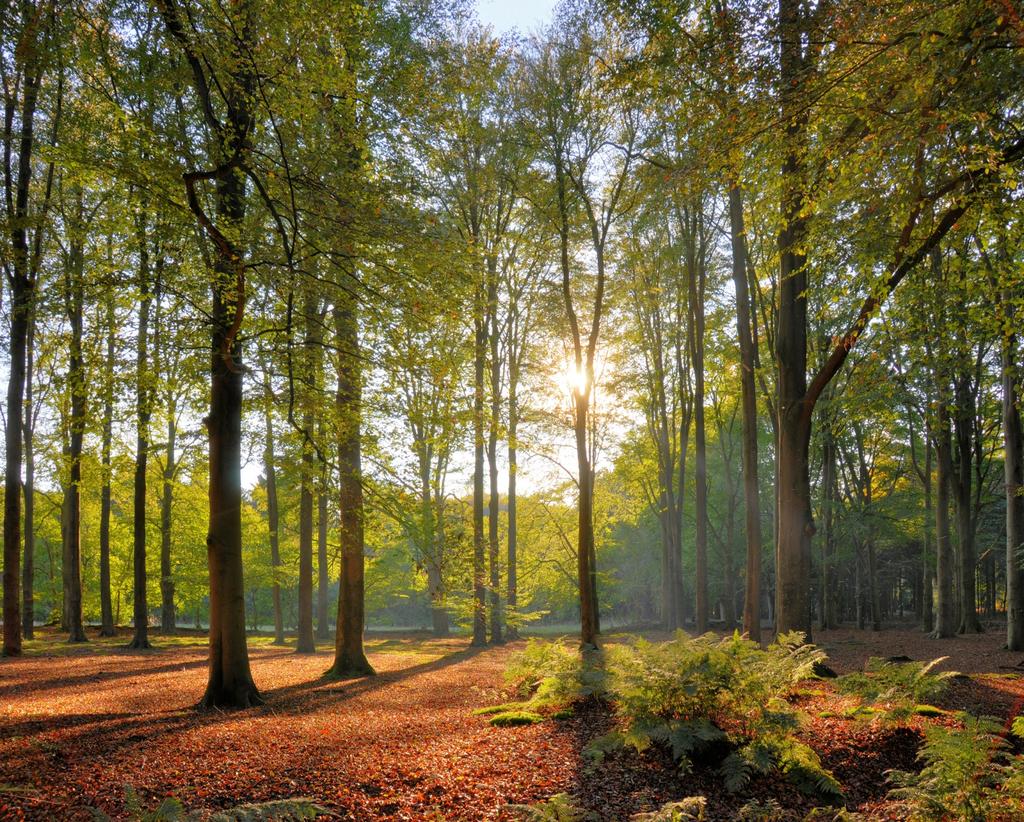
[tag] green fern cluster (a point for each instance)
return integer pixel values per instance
(297, 809)
(900, 688)
(691, 693)
(552, 674)
(558, 808)
(968, 774)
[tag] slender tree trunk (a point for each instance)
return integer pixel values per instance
(927, 612)
(585, 545)
(945, 612)
(1013, 465)
(479, 586)
(107, 627)
(322, 521)
(304, 643)
(828, 483)
(143, 409)
(349, 656)
(700, 454)
(494, 503)
(75, 295)
(28, 570)
(963, 425)
(512, 596)
(273, 514)
(748, 398)
(168, 619)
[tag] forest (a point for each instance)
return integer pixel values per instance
(615, 416)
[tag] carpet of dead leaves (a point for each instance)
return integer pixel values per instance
(79, 725)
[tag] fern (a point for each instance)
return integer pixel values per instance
(559, 808)
(690, 809)
(690, 693)
(968, 774)
(897, 690)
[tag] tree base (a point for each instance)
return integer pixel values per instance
(107, 632)
(305, 648)
(348, 668)
(78, 636)
(139, 644)
(230, 699)
(10, 652)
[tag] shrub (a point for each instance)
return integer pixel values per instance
(691, 693)
(900, 688)
(551, 674)
(690, 809)
(559, 808)
(968, 775)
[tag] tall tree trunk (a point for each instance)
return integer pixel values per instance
(107, 627)
(168, 619)
(349, 656)
(28, 612)
(322, 521)
(479, 586)
(75, 296)
(748, 397)
(273, 514)
(1013, 465)
(494, 504)
(927, 612)
(795, 523)
(512, 536)
(23, 284)
(700, 447)
(945, 612)
(828, 496)
(963, 429)
(585, 545)
(312, 347)
(143, 410)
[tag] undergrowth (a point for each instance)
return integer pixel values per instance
(969, 774)
(895, 691)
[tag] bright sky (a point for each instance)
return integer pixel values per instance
(524, 15)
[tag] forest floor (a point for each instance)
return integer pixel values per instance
(79, 725)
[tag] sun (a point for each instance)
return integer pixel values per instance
(573, 380)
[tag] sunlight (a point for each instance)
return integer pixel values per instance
(572, 380)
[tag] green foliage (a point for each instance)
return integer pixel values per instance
(506, 719)
(898, 689)
(690, 809)
(690, 693)
(559, 808)
(296, 809)
(757, 811)
(553, 674)
(968, 775)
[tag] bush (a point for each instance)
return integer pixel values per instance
(559, 808)
(902, 689)
(690, 694)
(508, 719)
(550, 674)
(968, 775)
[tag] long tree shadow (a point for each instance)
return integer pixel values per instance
(102, 734)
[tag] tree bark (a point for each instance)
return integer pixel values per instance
(168, 618)
(107, 627)
(1013, 466)
(795, 523)
(28, 569)
(963, 475)
(273, 514)
(349, 656)
(75, 304)
(945, 613)
(322, 521)
(143, 411)
(748, 398)
(494, 502)
(479, 586)
(312, 346)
